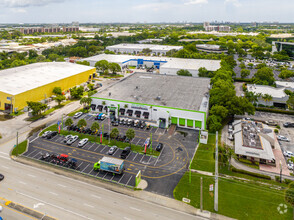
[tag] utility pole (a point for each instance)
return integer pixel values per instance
(109, 126)
(216, 175)
(281, 169)
(17, 143)
(201, 194)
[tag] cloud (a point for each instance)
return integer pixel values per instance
(196, 2)
(19, 10)
(27, 3)
(154, 6)
(236, 3)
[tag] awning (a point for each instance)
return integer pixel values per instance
(93, 107)
(122, 110)
(146, 114)
(100, 107)
(137, 112)
(130, 111)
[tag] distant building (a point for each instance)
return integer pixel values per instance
(137, 48)
(221, 28)
(209, 48)
(31, 30)
(149, 41)
(279, 97)
(279, 46)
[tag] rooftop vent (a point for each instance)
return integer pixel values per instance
(109, 94)
(158, 98)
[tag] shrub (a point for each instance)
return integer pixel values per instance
(278, 127)
(279, 111)
(251, 174)
(287, 181)
(276, 131)
(277, 178)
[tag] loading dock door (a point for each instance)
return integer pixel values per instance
(174, 120)
(182, 121)
(190, 123)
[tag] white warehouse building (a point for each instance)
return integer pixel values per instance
(165, 65)
(160, 100)
(157, 50)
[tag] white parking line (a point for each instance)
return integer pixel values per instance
(31, 153)
(91, 170)
(102, 149)
(128, 155)
(139, 210)
(104, 175)
(97, 197)
(53, 193)
(156, 130)
(36, 156)
(138, 141)
(30, 175)
(115, 152)
(149, 160)
(97, 173)
(112, 177)
(142, 158)
(85, 204)
(34, 139)
(85, 168)
(135, 156)
(159, 156)
(79, 165)
(121, 178)
(96, 148)
(91, 146)
(129, 180)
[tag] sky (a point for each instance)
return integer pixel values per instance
(132, 11)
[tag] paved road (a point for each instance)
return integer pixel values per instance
(66, 198)
(11, 214)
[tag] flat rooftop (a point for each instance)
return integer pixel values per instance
(21, 79)
(142, 46)
(263, 89)
(174, 91)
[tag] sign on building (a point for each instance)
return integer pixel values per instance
(203, 137)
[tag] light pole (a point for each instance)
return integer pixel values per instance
(281, 169)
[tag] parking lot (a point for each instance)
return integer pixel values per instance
(162, 173)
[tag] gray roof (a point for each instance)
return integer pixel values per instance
(21, 79)
(174, 91)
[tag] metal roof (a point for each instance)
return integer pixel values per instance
(152, 47)
(24, 78)
(262, 89)
(112, 160)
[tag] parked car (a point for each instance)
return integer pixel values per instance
(136, 123)
(114, 123)
(288, 154)
(44, 135)
(125, 153)
(72, 140)
(282, 138)
(271, 123)
(125, 121)
(45, 156)
(67, 137)
(148, 126)
(143, 125)
(121, 121)
(78, 114)
(159, 147)
(112, 150)
(288, 125)
(83, 142)
(290, 166)
(106, 135)
(1, 177)
(52, 134)
(130, 122)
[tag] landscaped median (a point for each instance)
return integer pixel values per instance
(238, 199)
(20, 148)
(105, 141)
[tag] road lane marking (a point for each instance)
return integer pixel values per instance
(21, 182)
(53, 193)
(5, 167)
(55, 206)
(61, 185)
(85, 204)
(4, 153)
(97, 197)
(34, 139)
(139, 210)
(30, 175)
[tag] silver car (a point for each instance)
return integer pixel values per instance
(72, 140)
(83, 142)
(112, 150)
(67, 137)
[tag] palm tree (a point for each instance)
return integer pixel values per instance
(267, 98)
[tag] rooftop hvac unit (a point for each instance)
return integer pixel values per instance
(158, 98)
(252, 143)
(252, 135)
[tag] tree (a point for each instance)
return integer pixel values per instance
(32, 54)
(252, 97)
(90, 86)
(57, 91)
(264, 76)
(146, 51)
(114, 133)
(76, 92)
(229, 60)
(95, 126)
(267, 98)
(36, 107)
(182, 72)
(68, 122)
(214, 123)
(220, 111)
(289, 194)
(82, 123)
(130, 134)
(290, 102)
(245, 73)
(86, 63)
(59, 99)
(202, 72)
(102, 65)
(85, 101)
(114, 67)
(250, 65)
(286, 74)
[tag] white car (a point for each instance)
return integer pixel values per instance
(288, 154)
(290, 166)
(67, 137)
(83, 142)
(71, 140)
(78, 114)
(44, 135)
(282, 138)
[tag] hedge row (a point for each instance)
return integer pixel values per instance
(251, 174)
(279, 111)
(243, 80)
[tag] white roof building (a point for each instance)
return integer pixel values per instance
(166, 65)
(24, 78)
(285, 85)
(137, 48)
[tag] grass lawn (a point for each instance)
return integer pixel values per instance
(204, 158)
(93, 138)
(79, 110)
(20, 149)
(236, 199)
